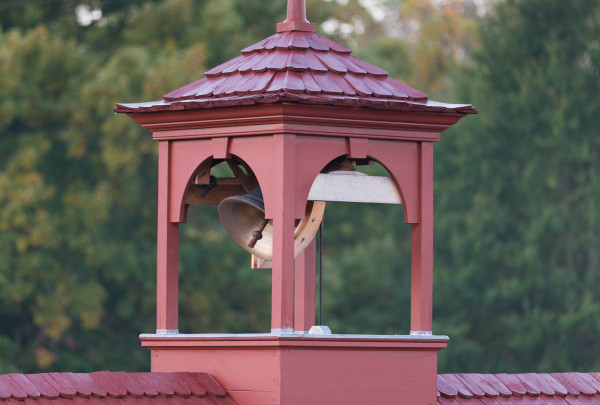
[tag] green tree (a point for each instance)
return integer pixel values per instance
(518, 224)
(78, 192)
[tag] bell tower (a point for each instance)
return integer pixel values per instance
(286, 115)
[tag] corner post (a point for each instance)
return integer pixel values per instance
(167, 257)
(422, 249)
(304, 296)
(283, 202)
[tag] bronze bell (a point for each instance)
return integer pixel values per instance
(243, 217)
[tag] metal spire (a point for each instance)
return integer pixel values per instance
(296, 18)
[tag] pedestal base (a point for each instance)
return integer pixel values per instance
(301, 369)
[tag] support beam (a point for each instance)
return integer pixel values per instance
(224, 188)
(346, 186)
(304, 296)
(167, 258)
(283, 200)
(422, 249)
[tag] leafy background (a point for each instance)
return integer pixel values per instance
(517, 188)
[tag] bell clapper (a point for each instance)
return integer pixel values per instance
(257, 235)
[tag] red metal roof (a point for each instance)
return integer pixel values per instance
(531, 388)
(112, 388)
(296, 66)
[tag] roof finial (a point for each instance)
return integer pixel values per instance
(296, 18)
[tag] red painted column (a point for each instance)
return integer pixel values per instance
(167, 258)
(283, 200)
(304, 295)
(422, 248)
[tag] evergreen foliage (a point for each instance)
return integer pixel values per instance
(518, 224)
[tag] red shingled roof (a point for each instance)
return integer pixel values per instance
(531, 388)
(298, 62)
(296, 66)
(112, 388)
(119, 388)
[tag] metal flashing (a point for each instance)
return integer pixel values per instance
(291, 334)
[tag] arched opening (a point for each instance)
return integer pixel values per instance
(366, 280)
(367, 263)
(217, 291)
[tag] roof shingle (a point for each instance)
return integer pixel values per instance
(530, 388)
(112, 388)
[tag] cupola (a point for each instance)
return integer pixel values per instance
(286, 115)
